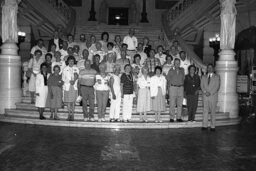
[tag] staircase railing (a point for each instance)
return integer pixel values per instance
(178, 8)
(169, 36)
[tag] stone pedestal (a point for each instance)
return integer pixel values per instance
(10, 77)
(227, 69)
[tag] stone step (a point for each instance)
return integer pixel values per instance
(115, 126)
(79, 116)
(78, 109)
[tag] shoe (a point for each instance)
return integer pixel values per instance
(42, 118)
(171, 120)
(103, 120)
(193, 121)
(99, 120)
(91, 119)
(116, 120)
(160, 120)
(179, 120)
(128, 120)
(86, 119)
(111, 120)
(204, 128)
(125, 121)
(212, 129)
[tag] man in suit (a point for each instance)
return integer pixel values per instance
(56, 40)
(210, 85)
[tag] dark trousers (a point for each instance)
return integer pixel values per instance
(192, 102)
(88, 95)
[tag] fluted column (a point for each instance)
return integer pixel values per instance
(92, 12)
(10, 62)
(227, 66)
(144, 14)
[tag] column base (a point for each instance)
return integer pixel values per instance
(10, 80)
(227, 96)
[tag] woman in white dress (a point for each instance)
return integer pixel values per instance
(143, 102)
(34, 69)
(41, 90)
(158, 91)
(115, 94)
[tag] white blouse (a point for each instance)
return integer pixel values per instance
(68, 75)
(157, 82)
(143, 82)
(102, 83)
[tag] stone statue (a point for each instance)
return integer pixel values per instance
(9, 20)
(228, 24)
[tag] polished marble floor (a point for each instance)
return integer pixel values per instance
(28, 147)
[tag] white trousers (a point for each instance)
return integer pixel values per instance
(114, 112)
(127, 106)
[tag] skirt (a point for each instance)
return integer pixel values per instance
(32, 83)
(143, 102)
(41, 99)
(158, 103)
(56, 100)
(71, 95)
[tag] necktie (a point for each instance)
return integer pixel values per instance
(209, 79)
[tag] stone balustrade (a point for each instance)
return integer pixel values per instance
(178, 8)
(62, 8)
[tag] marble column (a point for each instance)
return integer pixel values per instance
(227, 66)
(10, 62)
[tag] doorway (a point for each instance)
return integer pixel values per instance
(118, 16)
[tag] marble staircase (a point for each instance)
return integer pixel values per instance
(27, 113)
(152, 32)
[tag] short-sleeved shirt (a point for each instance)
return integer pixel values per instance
(175, 77)
(162, 58)
(122, 63)
(54, 80)
(127, 81)
(102, 83)
(151, 63)
(43, 49)
(87, 77)
(36, 64)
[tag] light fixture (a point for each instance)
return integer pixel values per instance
(117, 17)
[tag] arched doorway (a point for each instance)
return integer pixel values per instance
(118, 12)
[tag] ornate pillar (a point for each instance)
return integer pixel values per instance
(92, 12)
(227, 66)
(144, 14)
(10, 62)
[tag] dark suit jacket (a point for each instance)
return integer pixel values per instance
(51, 42)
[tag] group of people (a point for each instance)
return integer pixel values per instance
(112, 71)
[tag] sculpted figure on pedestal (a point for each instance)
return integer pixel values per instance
(9, 20)
(228, 24)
